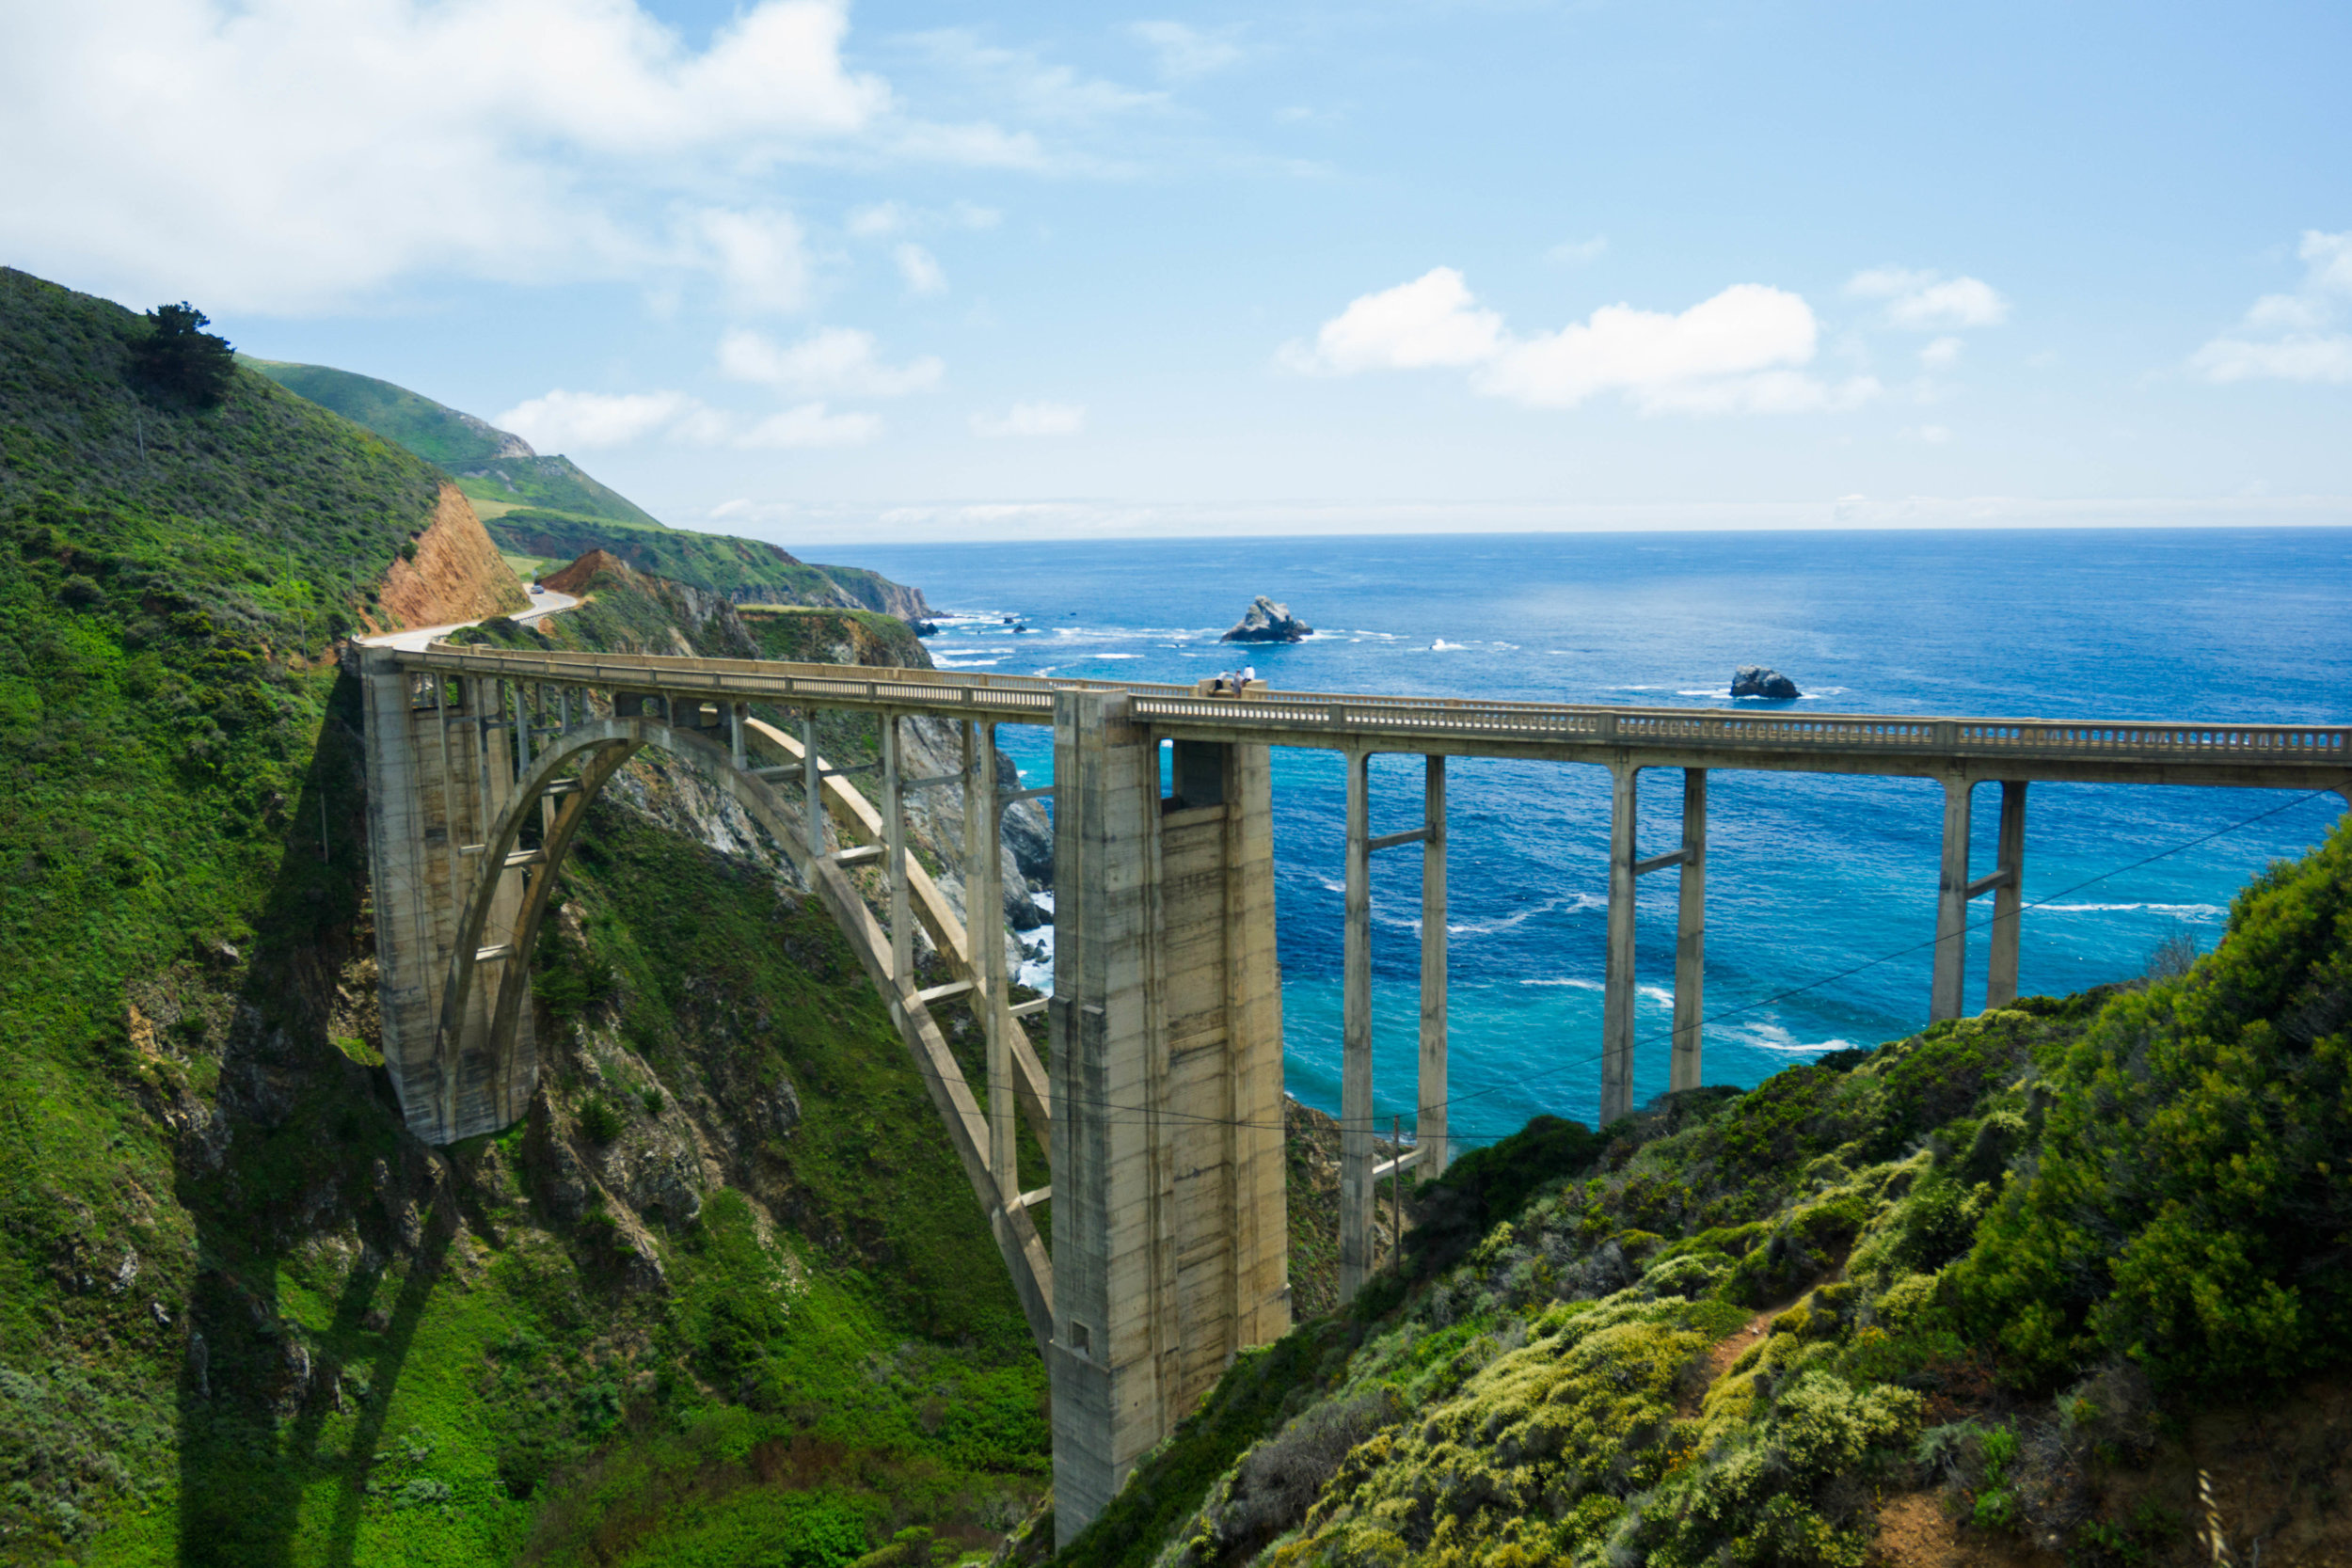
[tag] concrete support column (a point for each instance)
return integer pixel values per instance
(894, 817)
(1111, 1284)
(1356, 1129)
(1690, 935)
(984, 928)
(1430, 1121)
(431, 780)
(1617, 1016)
(813, 783)
(737, 752)
(1952, 908)
(1170, 1236)
(2008, 898)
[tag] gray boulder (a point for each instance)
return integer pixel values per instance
(1755, 680)
(1268, 622)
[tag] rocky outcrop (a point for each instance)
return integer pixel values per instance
(1755, 680)
(1268, 622)
(862, 588)
(454, 574)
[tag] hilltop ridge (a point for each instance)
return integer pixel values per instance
(544, 508)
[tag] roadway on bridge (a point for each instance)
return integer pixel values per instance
(544, 602)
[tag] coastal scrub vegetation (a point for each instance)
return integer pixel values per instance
(1994, 1268)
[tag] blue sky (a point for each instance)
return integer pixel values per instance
(819, 272)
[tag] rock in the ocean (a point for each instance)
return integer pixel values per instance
(1268, 622)
(1753, 680)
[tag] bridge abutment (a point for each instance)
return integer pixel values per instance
(440, 757)
(1170, 1243)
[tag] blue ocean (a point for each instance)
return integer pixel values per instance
(1820, 889)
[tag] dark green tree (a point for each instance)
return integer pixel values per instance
(180, 358)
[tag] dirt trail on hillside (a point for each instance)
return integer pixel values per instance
(457, 575)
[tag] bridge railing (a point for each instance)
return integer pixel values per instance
(1273, 716)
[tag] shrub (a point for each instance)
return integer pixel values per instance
(599, 1122)
(2193, 1148)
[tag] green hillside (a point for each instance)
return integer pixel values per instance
(491, 464)
(1995, 1293)
(546, 510)
(245, 1318)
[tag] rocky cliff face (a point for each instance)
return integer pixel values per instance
(457, 574)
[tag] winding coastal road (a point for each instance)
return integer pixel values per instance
(546, 602)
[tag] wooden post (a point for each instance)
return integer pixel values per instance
(1356, 1130)
(1617, 1016)
(1952, 908)
(2009, 899)
(813, 783)
(894, 858)
(1690, 935)
(1430, 1121)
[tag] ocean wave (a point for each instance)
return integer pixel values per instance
(1724, 691)
(1659, 994)
(1773, 1037)
(945, 664)
(1442, 646)
(2202, 911)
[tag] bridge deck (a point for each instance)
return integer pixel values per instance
(2307, 756)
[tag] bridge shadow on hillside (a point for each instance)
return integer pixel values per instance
(277, 1415)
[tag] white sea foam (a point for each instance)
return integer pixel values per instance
(1773, 1037)
(2200, 912)
(1442, 646)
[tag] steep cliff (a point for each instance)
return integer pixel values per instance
(450, 572)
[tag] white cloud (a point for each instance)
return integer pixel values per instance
(759, 257)
(1018, 79)
(1942, 354)
(1032, 419)
(1575, 251)
(882, 219)
(2292, 337)
(358, 144)
(1186, 51)
(587, 421)
(838, 362)
(1430, 321)
(1930, 302)
(921, 270)
(810, 425)
(1740, 352)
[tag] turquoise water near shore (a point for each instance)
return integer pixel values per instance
(1810, 876)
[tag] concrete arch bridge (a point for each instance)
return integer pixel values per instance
(1161, 1100)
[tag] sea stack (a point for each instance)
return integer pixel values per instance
(1755, 680)
(1268, 622)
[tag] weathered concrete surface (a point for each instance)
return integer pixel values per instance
(435, 778)
(1169, 1244)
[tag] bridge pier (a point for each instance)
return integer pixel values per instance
(1170, 1240)
(1359, 1175)
(438, 756)
(1618, 995)
(2006, 882)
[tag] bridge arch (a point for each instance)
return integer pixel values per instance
(573, 768)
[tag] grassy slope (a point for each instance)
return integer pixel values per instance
(547, 510)
(1990, 1270)
(481, 458)
(402, 1356)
